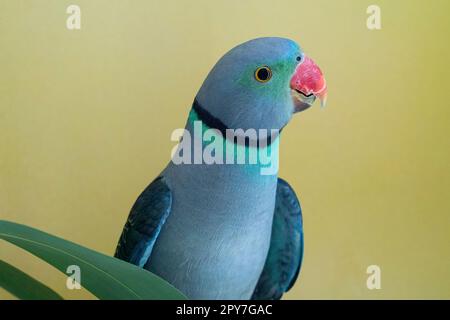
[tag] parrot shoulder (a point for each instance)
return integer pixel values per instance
(285, 254)
(144, 223)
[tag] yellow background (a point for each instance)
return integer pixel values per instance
(86, 118)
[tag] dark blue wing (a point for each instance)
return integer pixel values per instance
(144, 223)
(286, 246)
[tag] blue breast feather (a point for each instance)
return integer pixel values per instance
(283, 262)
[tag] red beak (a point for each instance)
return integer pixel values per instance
(307, 84)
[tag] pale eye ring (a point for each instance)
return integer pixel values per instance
(263, 74)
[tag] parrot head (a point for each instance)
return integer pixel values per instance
(260, 84)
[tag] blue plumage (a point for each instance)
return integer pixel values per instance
(144, 223)
(283, 260)
(286, 246)
(227, 231)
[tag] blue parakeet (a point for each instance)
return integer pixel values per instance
(227, 231)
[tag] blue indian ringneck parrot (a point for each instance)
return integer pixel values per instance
(226, 231)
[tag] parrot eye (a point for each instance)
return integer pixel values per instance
(299, 58)
(263, 74)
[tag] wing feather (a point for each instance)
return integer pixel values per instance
(286, 246)
(144, 223)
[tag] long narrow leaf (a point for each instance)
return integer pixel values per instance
(106, 277)
(23, 286)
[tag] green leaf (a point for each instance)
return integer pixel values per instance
(106, 277)
(23, 286)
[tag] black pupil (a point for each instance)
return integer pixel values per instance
(263, 74)
(299, 58)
